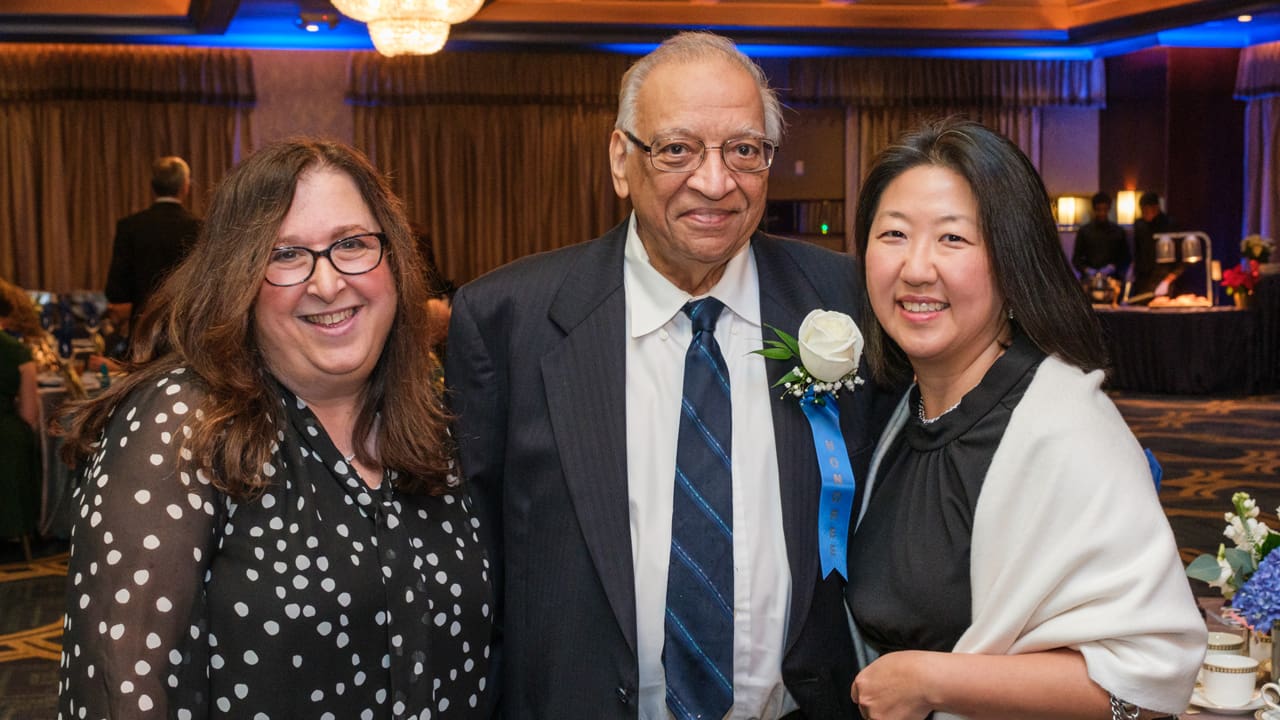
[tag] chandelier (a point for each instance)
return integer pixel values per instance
(408, 27)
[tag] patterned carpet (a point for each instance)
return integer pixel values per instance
(1210, 448)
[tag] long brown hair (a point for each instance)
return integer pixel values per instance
(202, 318)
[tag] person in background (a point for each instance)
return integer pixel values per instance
(19, 425)
(566, 371)
(269, 521)
(1151, 279)
(150, 243)
(1011, 558)
(1102, 247)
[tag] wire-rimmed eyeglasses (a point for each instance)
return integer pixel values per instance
(683, 155)
(354, 255)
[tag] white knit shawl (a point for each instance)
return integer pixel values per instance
(1071, 548)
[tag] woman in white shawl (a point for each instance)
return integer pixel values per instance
(1011, 558)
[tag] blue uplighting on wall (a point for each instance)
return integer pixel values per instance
(271, 24)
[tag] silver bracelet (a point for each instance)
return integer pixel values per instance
(1121, 710)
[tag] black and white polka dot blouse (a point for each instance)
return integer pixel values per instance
(321, 599)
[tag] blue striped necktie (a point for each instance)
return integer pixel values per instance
(698, 650)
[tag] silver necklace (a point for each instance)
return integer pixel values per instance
(349, 458)
(932, 420)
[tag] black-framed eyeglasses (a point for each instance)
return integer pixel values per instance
(683, 155)
(354, 255)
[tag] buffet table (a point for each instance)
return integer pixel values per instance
(1185, 351)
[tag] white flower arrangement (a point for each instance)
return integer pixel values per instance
(1230, 568)
(829, 348)
(1257, 247)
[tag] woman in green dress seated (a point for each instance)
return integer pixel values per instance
(19, 423)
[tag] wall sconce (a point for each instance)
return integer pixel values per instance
(1126, 206)
(1071, 211)
(408, 27)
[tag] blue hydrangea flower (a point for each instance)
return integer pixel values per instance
(1258, 600)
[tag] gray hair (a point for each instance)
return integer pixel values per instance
(169, 175)
(687, 47)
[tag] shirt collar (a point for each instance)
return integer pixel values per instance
(653, 300)
(168, 199)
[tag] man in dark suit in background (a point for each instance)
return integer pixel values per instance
(1150, 277)
(1102, 247)
(566, 373)
(152, 242)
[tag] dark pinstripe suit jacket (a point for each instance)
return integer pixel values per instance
(536, 370)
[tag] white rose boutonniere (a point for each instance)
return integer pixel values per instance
(829, 348)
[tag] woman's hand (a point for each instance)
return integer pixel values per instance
(894, 686)
(908, 685)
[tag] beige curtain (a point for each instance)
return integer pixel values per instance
(79, 128)
(496, 155)
(1258, 83)
(883, 97)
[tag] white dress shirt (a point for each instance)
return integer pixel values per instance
(658, 335)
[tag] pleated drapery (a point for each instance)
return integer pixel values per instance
(883, 97)
(79, 129)
(496, 155)
(1258, 84)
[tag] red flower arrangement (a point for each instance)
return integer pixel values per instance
(1240, 280)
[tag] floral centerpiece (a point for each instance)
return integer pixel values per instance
(1249, 576)
(1241, 280)
(1256, 247)
(1258, 600)
(1253, 541)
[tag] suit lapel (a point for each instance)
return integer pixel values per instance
(585, 380)
(785, 298)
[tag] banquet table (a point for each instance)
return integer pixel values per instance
(1185, 351)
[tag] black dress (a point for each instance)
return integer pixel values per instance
(321, 599)
(909, 557)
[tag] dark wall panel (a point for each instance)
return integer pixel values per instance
(1132, 128)
(1206, 146)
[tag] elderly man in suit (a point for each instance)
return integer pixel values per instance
(150, 243)
(567, 374)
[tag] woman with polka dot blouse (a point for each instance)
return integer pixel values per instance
(268, 523)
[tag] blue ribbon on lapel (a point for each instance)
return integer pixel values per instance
(838, 483)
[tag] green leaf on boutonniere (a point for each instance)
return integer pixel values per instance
(787, 341)
(777, 353)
